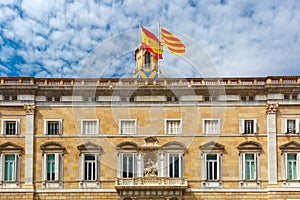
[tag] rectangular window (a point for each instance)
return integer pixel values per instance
(51, 167)
(10, 168)
(291, 126)
(173, 126)
(89, 127)
(127, 126)
(90, 168)
(249, 124)
(211, 126)
(128, 166)
(53, 127)
(10, 126)
(292, 166)
(212, 167)
(174, 166)
(249, 167)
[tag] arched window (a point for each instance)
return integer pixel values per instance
(147, 59)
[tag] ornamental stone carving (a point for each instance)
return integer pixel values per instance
(29, 108)
(272, 108)
(150, 169)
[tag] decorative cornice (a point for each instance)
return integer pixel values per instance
(271, 108)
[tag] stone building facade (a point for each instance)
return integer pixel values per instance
(150, 137)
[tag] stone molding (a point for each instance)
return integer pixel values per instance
(271, 108)
(29, 108)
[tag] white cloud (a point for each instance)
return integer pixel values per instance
(244, 38)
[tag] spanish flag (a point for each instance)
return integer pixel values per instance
(173, 43)
(151, 43)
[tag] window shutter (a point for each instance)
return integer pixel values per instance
(203, 166)
(257, 166)
(45, 128)
(219, 166)
(82, 126)
(2, 157)
(284, 125)
(297, 125)
(119, 165)
(255, 126)
(60, 127)
(57, 167)
(242, 125)
(283, 166)
(44, 167)
(244, 166)
(182, 166)
(168, 165)
(298, 166)
(81, 166)
(18, 132)
(240, 166)
(97, 170)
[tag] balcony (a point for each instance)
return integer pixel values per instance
(151, 187)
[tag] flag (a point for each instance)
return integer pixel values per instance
(173, 43)
(151, 43)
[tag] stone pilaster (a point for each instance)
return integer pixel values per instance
(271, 110)
(29, 146)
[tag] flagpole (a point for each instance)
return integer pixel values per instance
(158, 49)
(140, 49)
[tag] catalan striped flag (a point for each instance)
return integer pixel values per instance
(173, 43)
(151, 43)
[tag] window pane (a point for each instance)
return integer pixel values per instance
(211, 167)
(10, 127)
(53, 128)
(174, 166)
(249, 167)
(127, 166)
(50, 167)
(9, 171)
(291, 126)
(248, 126)
(127, 127)
(292, 166)
(89, 127)
(211, 126)
(90, 167)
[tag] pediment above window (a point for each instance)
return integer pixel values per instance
(177, 146)
(249, 146)
(212, 146)
(290, 146)
(9, 146)
(127, 146)
(52, 146)
(89, 146)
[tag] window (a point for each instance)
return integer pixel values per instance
(211, 167)
(211, 162)
(292, 166)
(127, 126)
(175, 165)
(147, 57)
(247, 98)
(248, 126)
(211, 126)
(173, 126)
(128, 166)
(249, 153)
(89, 126)
(10, 126)
(52, 126)
(172, 98)
(290, 126)
(89, 165)
(10, 164)
(52, 165)
(290, 163)
(10, 97)
(210, 98)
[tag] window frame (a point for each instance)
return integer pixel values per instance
(167, 131)
(284, 166)
(127, 120)
(82, 121)
(17, 129)
(218, 128)
(60, 128)
(205, 169)
(284, 125)
(242, 127)
(242, 166)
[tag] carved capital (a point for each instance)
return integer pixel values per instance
(29, 108)
(272, 108)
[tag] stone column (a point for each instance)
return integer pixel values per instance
(29, 145)
(271, 110)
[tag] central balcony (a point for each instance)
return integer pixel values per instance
(151, 187)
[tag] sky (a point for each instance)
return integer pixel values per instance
(97, 38)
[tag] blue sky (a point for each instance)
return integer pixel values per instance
(97, 38)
